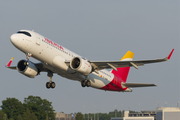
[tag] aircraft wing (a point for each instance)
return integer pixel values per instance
(40, 66)
(12, 67)
(137, 85)
(98, 65)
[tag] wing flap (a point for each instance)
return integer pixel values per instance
(137, 85)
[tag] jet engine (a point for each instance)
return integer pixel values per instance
(80, 65)
(27, 68)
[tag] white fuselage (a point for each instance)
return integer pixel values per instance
(54, 56)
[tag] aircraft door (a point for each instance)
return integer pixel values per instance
(38, 40)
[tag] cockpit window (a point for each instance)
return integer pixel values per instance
(24, 32)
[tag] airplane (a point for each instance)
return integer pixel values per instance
(54, 58)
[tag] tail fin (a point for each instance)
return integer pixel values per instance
(122, 72)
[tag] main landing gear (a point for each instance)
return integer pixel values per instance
(50, 84)
(85, 83)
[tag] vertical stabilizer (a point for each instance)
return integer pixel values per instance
(122, 72)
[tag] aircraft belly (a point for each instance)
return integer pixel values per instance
(75, 76)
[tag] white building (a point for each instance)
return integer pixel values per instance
(126, 117)
(168, 113)
(133, 118)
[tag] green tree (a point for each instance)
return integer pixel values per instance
(46, 118)
(79, 116)
(12, 107)
(40, 107)
(2, 115)
(19, 117)
(29, 115)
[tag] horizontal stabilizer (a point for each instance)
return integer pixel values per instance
(137, 85)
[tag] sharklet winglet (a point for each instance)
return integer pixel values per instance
(9, 64)
(170, 54)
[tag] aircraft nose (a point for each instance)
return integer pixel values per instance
(13, 38)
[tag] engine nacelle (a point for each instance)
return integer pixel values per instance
(27, 68)
(80, 65)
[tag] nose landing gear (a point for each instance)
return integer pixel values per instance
(28, 55)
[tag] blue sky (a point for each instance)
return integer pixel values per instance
(97, 30)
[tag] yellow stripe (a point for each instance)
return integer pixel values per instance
(129, 54)
(12, 58)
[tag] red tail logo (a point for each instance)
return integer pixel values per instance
(122, 73)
